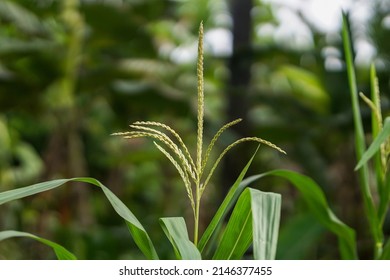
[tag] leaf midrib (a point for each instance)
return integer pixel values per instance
(239, 236)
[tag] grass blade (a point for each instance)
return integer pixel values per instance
(360, 145)
(61, 252)
(176, 230)
(11, 195)
(255, 218)
(359, 132)
(266, 207)
(382, 137)
(138, 232)
(238, 235)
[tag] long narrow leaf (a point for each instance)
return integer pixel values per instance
(375, 146)
(359, 132)
(30, 190)
(138, 232)
(176, 230)
(266, 208)
(61, 252)
(226, 205)
(237, 236)
(255, 219)
(360, 145)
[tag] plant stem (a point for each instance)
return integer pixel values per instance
(196, 215)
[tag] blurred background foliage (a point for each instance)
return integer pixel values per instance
(74, 71)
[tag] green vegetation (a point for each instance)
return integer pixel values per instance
(73, 72)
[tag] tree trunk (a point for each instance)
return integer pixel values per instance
(238, 87)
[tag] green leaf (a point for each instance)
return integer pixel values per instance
(299, 237)
(317, 203)
(306, 87)
(61, 252)
(360, 145)
(138, 232)
(225, 207)
(237, 236)
(256, 218)
(382, 137)
(266, 208)
(176, 230)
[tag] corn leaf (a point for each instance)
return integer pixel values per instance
(61, 252)
(266, 208)
(360, 145)
(382, 137)
(176, 230)
(237, 236)
(138, 232)
(299, 237)
(255, 218)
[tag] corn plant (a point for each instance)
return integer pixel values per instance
(379, 151)
(254, 219)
